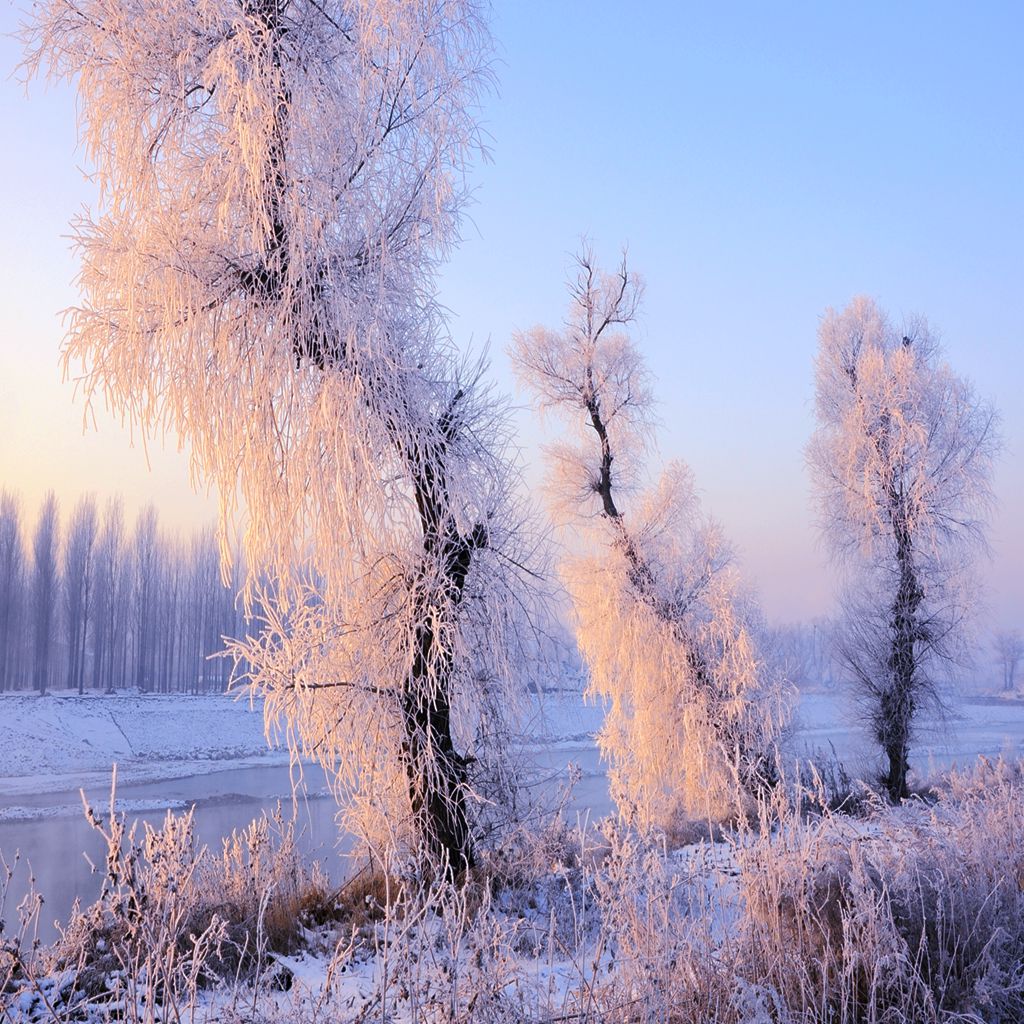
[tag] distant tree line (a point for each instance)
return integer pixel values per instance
(806, 653)
(91, 604)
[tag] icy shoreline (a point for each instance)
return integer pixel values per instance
(62, 741)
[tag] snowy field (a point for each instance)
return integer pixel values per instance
(53, 746)
(973, 726)
(63, 741)
(209, 753)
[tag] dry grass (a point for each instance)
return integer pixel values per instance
(912, 914)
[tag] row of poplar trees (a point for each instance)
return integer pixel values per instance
(92, 603)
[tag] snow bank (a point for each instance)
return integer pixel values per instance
(63, 740)
(130, 807)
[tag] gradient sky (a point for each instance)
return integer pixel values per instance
(762, 162)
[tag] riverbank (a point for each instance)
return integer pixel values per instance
(62, 741)
(54, 745)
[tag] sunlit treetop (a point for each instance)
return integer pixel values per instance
(277, 183)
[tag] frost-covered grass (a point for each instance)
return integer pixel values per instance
(900, 914)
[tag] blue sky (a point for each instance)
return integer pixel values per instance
(762, 162)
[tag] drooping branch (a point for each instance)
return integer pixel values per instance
(592, 372)
(279, 185)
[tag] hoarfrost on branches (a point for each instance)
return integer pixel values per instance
(668, 633)
(278, 183)
(1008, 645)
(902, 465)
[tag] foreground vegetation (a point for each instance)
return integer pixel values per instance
(799, 913)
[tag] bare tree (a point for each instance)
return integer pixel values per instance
(118, 670)
(109, 553)
(902, 462)
(45, 589)
(804, 649)
(157, 626)
(667, 632)
(145, 563)
(11, 586)
(205, 606)
(1009, 648)
(279, 182)
(78, 586)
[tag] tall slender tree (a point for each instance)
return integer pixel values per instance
(109, 553)
(279, 183)
(902, 465)
(145, 563)
(78, 586)
(669, 636)
(11, 585)
(45, 589)
(1009, 650)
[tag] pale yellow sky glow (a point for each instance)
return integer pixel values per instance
(46, 444)
(43, 440)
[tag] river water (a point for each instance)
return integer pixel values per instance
(59, 846)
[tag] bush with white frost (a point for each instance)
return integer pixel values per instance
(913, 913)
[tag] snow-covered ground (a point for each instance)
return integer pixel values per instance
(972, 727)
(210, 752)
(63, 741)
(59, 743)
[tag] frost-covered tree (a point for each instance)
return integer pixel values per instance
(804, 651)
(107, 622)
(667, 632)
(11, 586)
(146, 559)
(1009, 650)
(79, 569)
(902, 463)
(279, 180)
(45, 589)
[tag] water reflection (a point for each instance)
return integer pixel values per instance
(60, 849)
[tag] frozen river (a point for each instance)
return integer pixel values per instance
(57, 841)
(972, 727)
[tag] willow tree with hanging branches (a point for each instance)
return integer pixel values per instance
(278, 183)
(669, 634)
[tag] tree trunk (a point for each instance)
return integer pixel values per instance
(898, 702)
(436, 772)
(757, 773)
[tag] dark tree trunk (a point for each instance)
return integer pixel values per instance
(757, 773)
(436, 772)
(898, 702)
